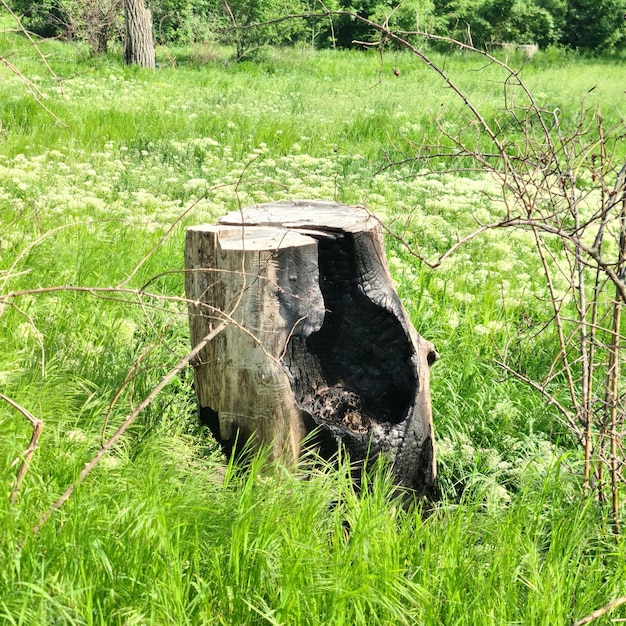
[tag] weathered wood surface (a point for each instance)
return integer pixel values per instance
(318, 341)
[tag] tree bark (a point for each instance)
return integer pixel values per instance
(318, 339)
(139, 46)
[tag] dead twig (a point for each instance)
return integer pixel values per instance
(550, 399)
(600, 612)
(37, 425)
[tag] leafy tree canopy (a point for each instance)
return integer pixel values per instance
(596, 26)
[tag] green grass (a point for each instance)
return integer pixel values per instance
(157, 534)
(155, 540)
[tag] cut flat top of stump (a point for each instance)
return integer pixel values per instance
(305, 215)
(236, 237)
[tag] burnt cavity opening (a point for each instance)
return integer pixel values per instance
(358, 367)
(209, 417)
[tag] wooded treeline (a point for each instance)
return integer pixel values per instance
(596, 26)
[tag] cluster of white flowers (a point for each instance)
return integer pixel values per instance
(153, 185)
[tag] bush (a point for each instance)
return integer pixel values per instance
(95, 21)
(44, 18)
(532, 24)
(242, 15)
(187, 21)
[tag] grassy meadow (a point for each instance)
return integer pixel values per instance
(163, 531)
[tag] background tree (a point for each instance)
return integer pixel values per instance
(95, 21)
(462, 20)
(589, 25)
(531, 23)
(139, 45)
(558, 12)
(594, 25)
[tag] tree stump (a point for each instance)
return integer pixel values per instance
(316, 340)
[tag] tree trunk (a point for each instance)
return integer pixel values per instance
(317, 341)
(139, 44)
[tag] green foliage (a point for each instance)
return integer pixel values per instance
(579, 24)
(345, 30)
(45, 17)
(483, 22)
(533, 24)
(249, 25)
(594, 25)
(186, 21)
(257, 23)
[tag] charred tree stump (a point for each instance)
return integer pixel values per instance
(316, 340)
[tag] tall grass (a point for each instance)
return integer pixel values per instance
(155, 540)
(163, 531)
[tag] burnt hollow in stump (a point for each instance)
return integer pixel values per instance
(331, 348)
(356, 371)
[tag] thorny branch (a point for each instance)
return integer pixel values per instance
(538, 170)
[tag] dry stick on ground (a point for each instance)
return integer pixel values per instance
(600, 612)
(139, 293)
(183, 363)
(37, 425)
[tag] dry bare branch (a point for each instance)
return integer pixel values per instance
(37, 425)
(600, 612)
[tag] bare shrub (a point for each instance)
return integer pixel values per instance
(561, 183)
(97, 22)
